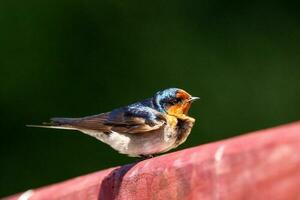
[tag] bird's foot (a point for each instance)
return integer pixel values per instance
(145, 157)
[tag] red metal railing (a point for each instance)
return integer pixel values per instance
(261, 165)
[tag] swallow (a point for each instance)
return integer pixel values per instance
(142, 129)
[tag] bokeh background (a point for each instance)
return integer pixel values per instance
(77, 58)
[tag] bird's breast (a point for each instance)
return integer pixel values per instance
(169, 136)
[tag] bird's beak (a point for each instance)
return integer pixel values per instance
(194, 99)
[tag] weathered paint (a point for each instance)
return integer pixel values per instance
(261, 165)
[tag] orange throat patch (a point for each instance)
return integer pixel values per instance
(178, 110)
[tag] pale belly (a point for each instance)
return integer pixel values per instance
(137, 144)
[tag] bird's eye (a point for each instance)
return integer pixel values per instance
(175, 101)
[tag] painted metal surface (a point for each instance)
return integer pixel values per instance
(261, 165)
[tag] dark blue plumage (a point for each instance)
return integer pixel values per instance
(144, 109)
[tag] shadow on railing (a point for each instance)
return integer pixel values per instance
(112, 182)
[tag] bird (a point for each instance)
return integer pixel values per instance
(142, 129)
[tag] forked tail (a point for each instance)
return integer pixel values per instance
(58, 123)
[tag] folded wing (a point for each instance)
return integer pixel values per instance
(124, 120)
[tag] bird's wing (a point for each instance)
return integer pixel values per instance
(123, 120)
(136, 120)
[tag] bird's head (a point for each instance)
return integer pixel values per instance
(174, 101)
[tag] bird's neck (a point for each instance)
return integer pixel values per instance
(156, 105)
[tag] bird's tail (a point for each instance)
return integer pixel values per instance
(58, 123)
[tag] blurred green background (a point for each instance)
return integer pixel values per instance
(76, 58)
